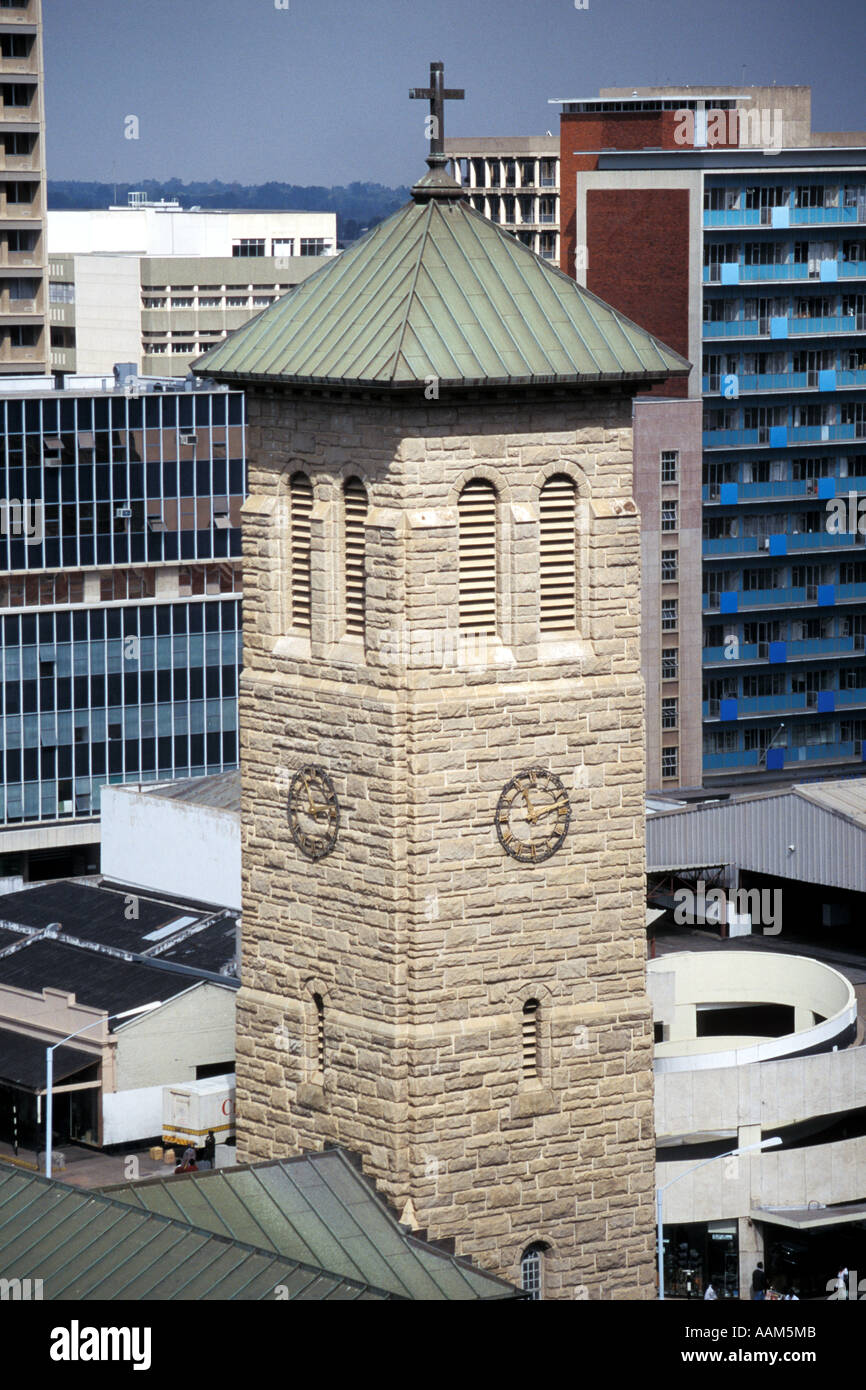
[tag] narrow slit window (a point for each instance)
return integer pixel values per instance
(320, 1032)
(476, 510)
(530, 1040)
(300, 510)
(557, 557)
(355, 504)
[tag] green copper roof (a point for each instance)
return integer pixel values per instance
(439, 291)
(317, 1210)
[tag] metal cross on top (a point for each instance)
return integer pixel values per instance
(437, 94)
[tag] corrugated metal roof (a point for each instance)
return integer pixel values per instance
(810, 833)
(317, 1208)
(221, 790)
(22, 1061)
(438, 291)
(84, 1245)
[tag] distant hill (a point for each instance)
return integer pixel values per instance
(359, 206)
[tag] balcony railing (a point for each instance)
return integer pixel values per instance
(785, 435)
(809, 752)
(793, 327)
(784, 490)
(790, 543)
(781, 217)
(793, 651)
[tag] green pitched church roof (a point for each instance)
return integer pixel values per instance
(438, 291)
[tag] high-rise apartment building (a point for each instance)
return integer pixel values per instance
(23, 331)
(515, 183)
(717, 219)
(120, 593)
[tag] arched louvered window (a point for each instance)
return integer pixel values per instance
(355, 515)
(300, 510)
(558, 554)
(320, 1032)
(530, 1040)
(476, 545)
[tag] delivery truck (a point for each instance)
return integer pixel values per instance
(191, 1108)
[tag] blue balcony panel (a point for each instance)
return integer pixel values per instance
(730, 273)
(728, 601)
(778, 436)
(727, 709)
(781, 217)
(826, 595)
(728, 494)
(778, 545)
(775, 759)
(827, 380)
(829, 270)
(826, 701)
(779, 327)
(778, 652)
(826, 487)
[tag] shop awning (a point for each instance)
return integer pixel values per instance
(22, 1061)
(810, 1218)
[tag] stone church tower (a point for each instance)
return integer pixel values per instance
(442, 745)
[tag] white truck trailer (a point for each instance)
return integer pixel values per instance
(191, 1108)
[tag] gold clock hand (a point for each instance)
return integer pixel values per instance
(531, 812)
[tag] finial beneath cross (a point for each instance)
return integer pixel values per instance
(437, 94)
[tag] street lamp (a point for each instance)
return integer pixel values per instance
(49, 1068)
(660, 1192)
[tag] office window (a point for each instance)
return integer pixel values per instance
(670, 465)
(17, 94)
(670, 659)
(670, 615)
(249, 246)
(313, 246)
(669, 516)
(22, 193)
(61, 292)
(670, 713)
(283, 246)
(670, 564)
(670, 762)
(21, 242)
(23, 335)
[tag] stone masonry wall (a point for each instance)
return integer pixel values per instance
(423, 938)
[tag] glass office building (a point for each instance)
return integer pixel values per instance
(120, 592)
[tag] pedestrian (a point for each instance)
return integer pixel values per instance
(710, 1293)
(759, 1282)
(210, 1148)
(187, 1163)
(842, 1282)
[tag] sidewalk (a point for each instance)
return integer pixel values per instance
(90, 1168)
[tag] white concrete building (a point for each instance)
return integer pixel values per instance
(166, 229)
(177, 837)
(752, 1045)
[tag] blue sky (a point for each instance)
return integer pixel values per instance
(318, 92)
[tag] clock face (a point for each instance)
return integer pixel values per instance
(314, 812)
(532, 815)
